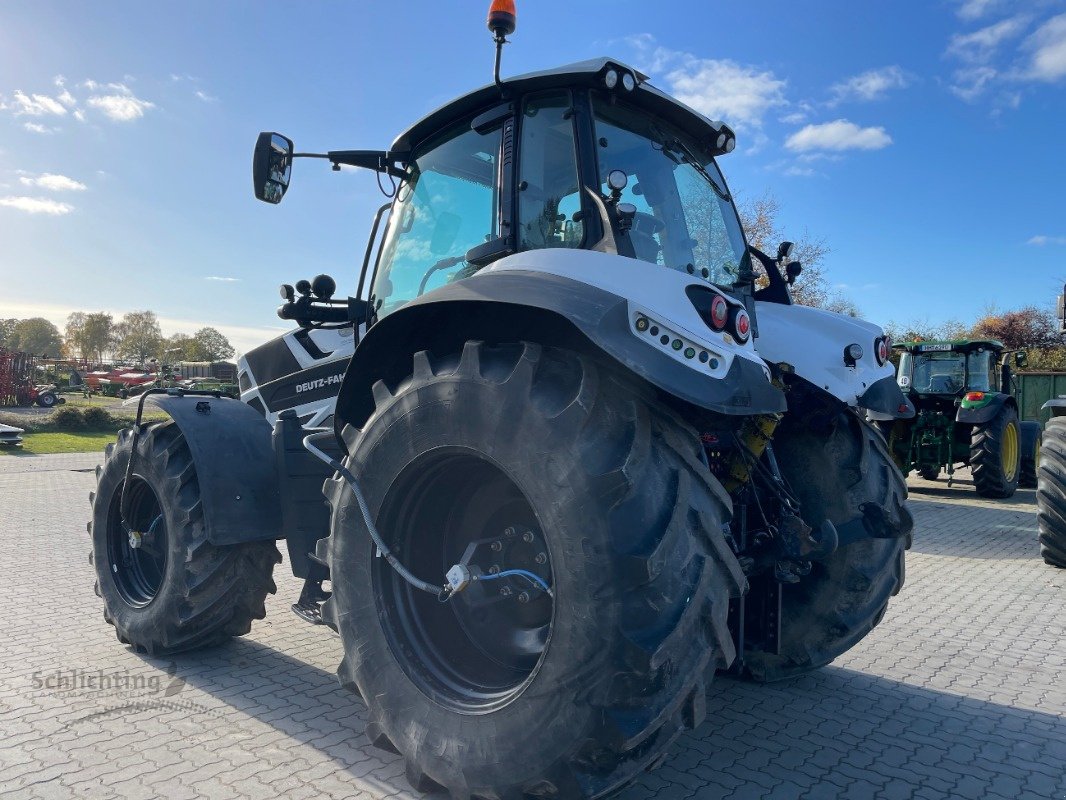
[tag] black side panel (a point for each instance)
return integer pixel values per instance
(304, 510)
(317, 383)
(271, 361)
(886, 397)
(979, 416)
(507, 306)
(231, 448)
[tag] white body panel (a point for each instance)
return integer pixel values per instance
(812, 341)
(652, 291)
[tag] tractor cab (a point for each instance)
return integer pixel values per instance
(585, 156)
(949, 368)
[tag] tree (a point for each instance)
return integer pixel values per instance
(139, 336)
(759, 218)
(180, 347)
(212, 345)
(97, 336)
(37, 336)
(1026, 328)
(7, 333)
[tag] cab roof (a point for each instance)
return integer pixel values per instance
(960, 345)
(583, 74)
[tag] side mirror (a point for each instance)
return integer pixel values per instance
(793, 271)
(1021, 360)
(784, 250)
(271, 166)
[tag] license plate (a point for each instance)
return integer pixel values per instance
(934, 348)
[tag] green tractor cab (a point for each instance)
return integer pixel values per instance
(967, 414)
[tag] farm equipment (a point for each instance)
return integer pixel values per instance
(967, 413)
(1051, 485)
(575, 462)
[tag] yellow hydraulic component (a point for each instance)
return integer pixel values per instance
(754, 435)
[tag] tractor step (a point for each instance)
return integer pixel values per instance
(309, 606)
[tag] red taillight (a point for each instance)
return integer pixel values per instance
(975, 397)
(719, 312)
(742, 324)
(882, 351)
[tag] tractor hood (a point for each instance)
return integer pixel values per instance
(814, 342)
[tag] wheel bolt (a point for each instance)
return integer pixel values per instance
(524, 597)
(541, 558)
(493, 569)
(527, 536)
(506, 591)
(496, 546)
(509, 531)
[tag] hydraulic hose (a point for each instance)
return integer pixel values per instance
(353, 484)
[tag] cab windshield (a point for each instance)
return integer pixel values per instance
(685, 218)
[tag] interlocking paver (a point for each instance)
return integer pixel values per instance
(958, 693)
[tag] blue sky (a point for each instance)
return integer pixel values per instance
(922, 140)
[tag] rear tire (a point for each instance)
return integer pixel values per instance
(835, 466)
(1032, 441)
(995, 454)
(1051, 494)
(631, 522)
(177, 591)
(46, 400)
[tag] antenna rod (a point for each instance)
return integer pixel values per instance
(500, 42)
(502, 22)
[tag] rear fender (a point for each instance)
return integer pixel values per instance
(233, 456)
(1056, 405)
(979, 415)
(514, 304)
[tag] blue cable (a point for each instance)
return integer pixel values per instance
(522, 573)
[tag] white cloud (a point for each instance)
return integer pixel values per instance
(1047, 48)
(837, 135)
(221, 278)
(207, 98)
(37, 105)
(795, 118)
(980, 45)
(53, 183)
(970, 10)
(36, 205)
(718, 88)
(1040, 241)
(971, 82)
(36, 127)
(870, 85)
(79, 115)
(800, 172)
(121, 105)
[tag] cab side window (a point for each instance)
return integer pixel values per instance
(549, 192)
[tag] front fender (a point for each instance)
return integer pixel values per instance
(233, 455)
(812, 341)
(513, 304)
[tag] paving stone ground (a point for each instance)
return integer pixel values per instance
(959, 692)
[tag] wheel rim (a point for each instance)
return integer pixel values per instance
(1010, 451)
(478, 651)
(137, 570)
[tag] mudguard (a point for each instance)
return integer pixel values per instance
(1056, 405)
(233, 454)
(812, 341)
(984, 413)
(527, 296)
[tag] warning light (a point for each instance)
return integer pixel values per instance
(502, 18)
(975, 397)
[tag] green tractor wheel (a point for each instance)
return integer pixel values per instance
(995, 454)
(1032, 440)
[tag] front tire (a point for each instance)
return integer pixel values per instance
(175, 591)
(1051, 494)
(835, 465)
(571, 696)
(46, 400)
(995, 454)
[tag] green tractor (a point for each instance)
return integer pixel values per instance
(967, 413)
